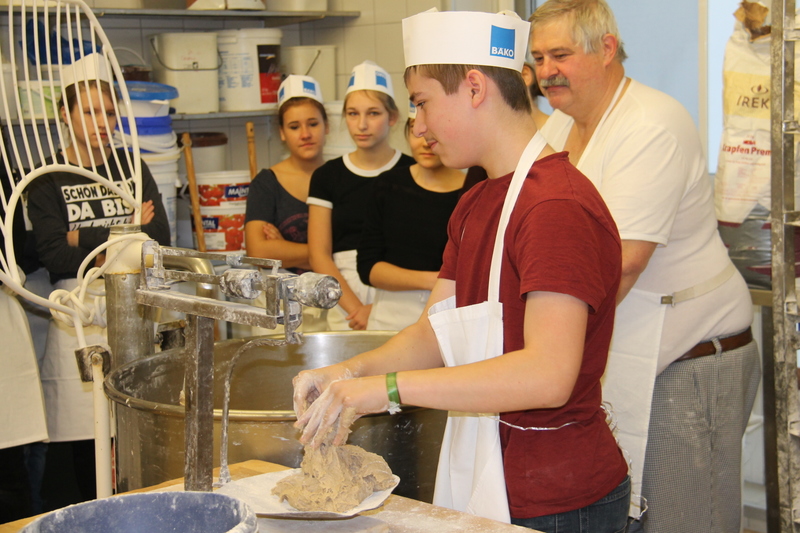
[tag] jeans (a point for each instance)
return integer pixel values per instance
(607, 515)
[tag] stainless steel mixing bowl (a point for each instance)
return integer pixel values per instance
(149, 417)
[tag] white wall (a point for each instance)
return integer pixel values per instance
(661, 39)
(720, 28)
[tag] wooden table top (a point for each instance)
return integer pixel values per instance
(397, 515)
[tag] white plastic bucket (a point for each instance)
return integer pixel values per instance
(338, 142)
(161, 167)
(222, 188)
(190, 63)
(168, 187)
(150, 108)
(319, 62)
(296, 5)
(223, 226)
(249, 77)
(170, 155)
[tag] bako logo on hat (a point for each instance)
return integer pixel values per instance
(465, 38)
(296, 86)
(502, 42)
(368, 76)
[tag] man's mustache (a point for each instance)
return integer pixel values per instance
(559, 81)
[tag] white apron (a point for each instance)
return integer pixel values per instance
(22, 416)
(630, 378)
(396, 310)
(346, 263)
(69, 402)
(632, 366)
(470, 476)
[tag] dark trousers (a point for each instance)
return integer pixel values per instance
(15, 488)
(607, 515)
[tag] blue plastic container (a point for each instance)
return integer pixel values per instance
(148, 125)
(148, 90)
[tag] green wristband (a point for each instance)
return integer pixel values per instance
(391, 389)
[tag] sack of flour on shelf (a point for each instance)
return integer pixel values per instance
(742, 183)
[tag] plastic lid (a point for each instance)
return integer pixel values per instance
(148, 90)
(232, 177)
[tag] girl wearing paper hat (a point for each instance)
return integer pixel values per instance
(277, 215)
(518, 326)
(71, 215)
(405, 232)
(339, 191)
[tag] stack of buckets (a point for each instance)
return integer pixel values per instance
(157, 140)
(223, 201)
(222, 196)
(229, 71)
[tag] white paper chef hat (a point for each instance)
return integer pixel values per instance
(89, 67)
(295, 86)
(465, 38)
(370, 76)
(412, 110)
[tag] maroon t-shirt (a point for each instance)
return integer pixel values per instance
(560, 238)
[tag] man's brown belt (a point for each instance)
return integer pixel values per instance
(727, 344)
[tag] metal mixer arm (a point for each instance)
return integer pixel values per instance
(285, 292)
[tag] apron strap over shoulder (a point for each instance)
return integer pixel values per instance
(531, 152)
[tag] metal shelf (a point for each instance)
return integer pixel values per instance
(270, 18)
(224, 115)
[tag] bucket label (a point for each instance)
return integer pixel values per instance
(236, 192)
(210, 223)
(221, 193)
(268, 71)
(224, 232)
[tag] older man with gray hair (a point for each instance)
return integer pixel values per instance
(683, 369)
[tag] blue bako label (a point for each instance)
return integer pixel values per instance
(308, 87)
(352, 80)
(380, 79)
(502, 43)
(281, 93)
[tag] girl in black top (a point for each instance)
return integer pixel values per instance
(405, 232)
(339, 191)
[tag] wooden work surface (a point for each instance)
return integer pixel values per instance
(398, 514)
